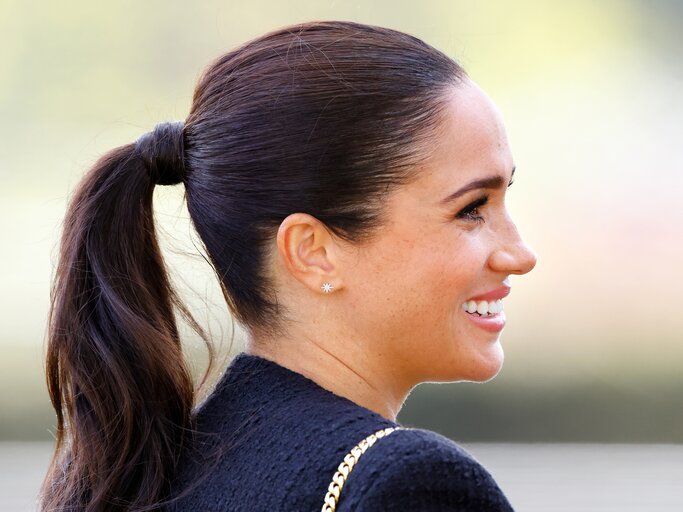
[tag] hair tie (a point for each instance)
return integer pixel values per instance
(163, 152)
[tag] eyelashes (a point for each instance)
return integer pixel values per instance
(471, 211)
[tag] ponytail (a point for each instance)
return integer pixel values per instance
(114, 366)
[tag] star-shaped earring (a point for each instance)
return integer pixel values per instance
(327, 287)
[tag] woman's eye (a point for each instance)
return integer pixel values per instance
(471, 211)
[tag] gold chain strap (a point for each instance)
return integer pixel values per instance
(346, 466)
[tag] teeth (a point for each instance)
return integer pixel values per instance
(483, 308)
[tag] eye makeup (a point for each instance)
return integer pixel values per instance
(471, 210)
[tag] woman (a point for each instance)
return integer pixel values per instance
(348, 183)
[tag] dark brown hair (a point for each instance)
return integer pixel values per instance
(325, 118)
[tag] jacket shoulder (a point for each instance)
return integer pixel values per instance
(418, 469)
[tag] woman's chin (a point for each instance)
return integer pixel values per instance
(485, 365)
(479, 365)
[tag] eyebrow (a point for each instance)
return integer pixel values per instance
(490, 182)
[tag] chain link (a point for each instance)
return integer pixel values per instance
(346, 466)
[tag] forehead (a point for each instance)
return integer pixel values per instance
(471, 141)
(469, 144)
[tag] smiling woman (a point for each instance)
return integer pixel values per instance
(399, 297)
(348, 183)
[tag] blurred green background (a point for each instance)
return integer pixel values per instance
(592, 95)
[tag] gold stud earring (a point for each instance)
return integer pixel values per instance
(327, 287)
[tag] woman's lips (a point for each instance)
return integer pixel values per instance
(493, 323)
(498, 293)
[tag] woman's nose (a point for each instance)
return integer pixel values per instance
(513, 255)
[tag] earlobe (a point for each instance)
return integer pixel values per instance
(307, 250)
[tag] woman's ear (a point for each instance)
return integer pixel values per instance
(309, 252)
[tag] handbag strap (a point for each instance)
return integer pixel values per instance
(346, 466)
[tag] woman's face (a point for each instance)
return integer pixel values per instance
(449, 239)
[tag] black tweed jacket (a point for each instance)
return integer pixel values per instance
(270, 439)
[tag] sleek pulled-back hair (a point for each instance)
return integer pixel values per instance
(325, 118)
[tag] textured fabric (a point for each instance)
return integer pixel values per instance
(271, 439)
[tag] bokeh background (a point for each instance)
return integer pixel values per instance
(592, 96)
